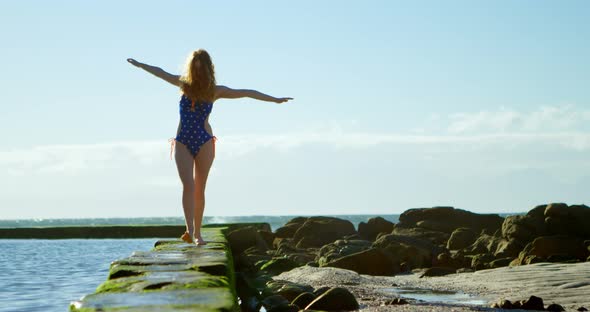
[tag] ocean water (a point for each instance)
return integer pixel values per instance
(274, 221)
(45, 275)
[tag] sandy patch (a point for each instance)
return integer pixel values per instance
(565, 284)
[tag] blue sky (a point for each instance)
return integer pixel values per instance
(479, 105)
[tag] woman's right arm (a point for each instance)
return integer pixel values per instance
(157, 71)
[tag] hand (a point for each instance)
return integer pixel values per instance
(133, 62)
(282, 100)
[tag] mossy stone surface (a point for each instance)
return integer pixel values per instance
(173, 276)
(164, 280)
(204, 299)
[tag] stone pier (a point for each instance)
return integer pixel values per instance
(173, 276)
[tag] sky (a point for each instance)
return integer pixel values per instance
(483, 106)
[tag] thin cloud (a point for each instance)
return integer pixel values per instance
(546, 119)
(552, 127)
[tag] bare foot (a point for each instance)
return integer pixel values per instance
(187, 237)
(200, 241)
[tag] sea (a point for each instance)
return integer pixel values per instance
(47, 274)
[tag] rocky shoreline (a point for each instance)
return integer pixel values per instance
(425, 243)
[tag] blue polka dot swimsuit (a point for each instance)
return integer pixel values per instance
(192, 125)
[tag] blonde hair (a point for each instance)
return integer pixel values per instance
(198, 84)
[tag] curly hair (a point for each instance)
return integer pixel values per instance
(198, 83)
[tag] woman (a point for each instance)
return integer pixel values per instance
(196, 143)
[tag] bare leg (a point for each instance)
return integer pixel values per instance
(184, 164)
(203, 163)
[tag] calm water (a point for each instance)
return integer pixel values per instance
(45, 275)
(437, 296)
(274, 221)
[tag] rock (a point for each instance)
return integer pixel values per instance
(291, 291)
(318, 231)
(538, 212)
(284, 246)
(437, 271)
(448, 261)
(248, 294)
(318, 292)
(571, 220)
(336, 298)
(447, 219)
(374, 261)
(303, 300)
(339, 249)
(373, 227)
(483, 244)
(267, 236)
(554, 307)
(546, 246)
(517, 304)
(558, 210)
(461, 238)
(244, 238)
(505, 304)
(414, 252)
(481, 261)
(284, 308)
(508, 248)
(288, 230)
(582, 309)
(523, 228)
(498, 263)
(274, 301)
(247, 260)
(464, 270)
(434, 237)
(533, 303)
(278, 265)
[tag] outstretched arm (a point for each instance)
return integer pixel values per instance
(157, 71)
(223, 92)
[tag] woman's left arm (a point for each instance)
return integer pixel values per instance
(223, 92)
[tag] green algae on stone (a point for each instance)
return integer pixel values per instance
(172, 266)
(163, 280)
(203, 298)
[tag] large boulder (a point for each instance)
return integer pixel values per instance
(318, 231)
(373, 227)
(435, 237)
(289, 229)
(553, 248)
(303, 300)
(571, 220)
(278, 265)
(411, 251)
(523, 228)
(461, 238)
(447, 219)
(336, 298)
(374, 261)
(508, 248)
(341, 248)
(244, 238)
(483, 244)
